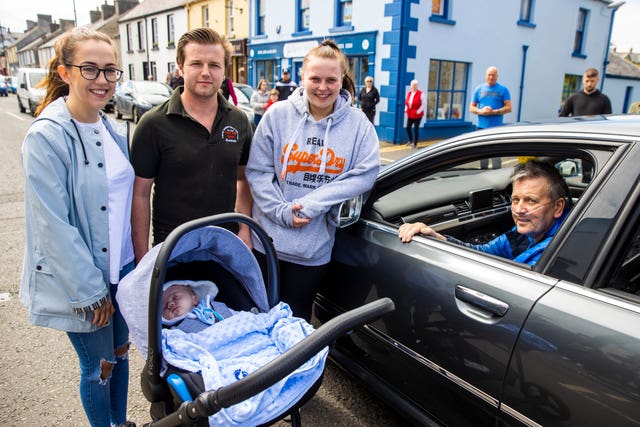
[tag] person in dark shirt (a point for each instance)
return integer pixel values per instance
(285, 85)
(588, 101)
(176, 80)
(368, 98)
(192, 149)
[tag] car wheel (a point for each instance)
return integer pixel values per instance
(21, 107)
(32, 108)
(118, 113)
(136, 115)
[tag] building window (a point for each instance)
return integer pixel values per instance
(447, 90)
(205, 16)
(153, 71)
(359, 69)
(440, 12)
(132, 72)
(571, 85)
(344, 9)
(266, 70)
(154, 33)
(526, 13)
(129, 39)
(141, 39)
(260, 23)
(303, 16)
(578, 44)
(171, 41)
(230, 17)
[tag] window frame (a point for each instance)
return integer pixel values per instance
(141, 36)
(154, 33)
(526, 13)
(129, 38)
(301, 29)
(171, 41)
(205, 15)
(261, 16)
(452, 91)
(445, 16)
(581, 32)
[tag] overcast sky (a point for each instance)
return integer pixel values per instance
(14, 14)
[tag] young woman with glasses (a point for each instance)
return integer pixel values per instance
(78, 186)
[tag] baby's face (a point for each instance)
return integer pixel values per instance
(178, 300)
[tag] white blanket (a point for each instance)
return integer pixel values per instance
(230, 350)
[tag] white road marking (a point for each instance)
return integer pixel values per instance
(15, 116)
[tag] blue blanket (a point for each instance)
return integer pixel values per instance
(228, 351)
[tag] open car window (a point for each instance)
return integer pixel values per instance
(471, 200)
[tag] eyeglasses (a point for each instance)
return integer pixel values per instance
(91, 72)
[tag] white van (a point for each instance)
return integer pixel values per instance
(29, 96)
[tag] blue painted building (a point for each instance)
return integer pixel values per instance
(541, 48)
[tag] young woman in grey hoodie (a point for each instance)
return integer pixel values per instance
(309, 154)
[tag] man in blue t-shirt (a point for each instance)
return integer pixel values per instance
(490, 102)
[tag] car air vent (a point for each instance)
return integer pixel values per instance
(462, 207)
(500, 199)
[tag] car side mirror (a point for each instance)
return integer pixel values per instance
(350, 211)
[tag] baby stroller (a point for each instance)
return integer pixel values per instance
(201, 250)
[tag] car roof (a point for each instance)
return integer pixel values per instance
(622, 124)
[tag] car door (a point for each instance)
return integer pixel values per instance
(443, 354)
(577, 361)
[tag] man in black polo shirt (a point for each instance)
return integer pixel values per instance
(589, 101)
(193, 148)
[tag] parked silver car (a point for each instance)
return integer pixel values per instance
(478, 340)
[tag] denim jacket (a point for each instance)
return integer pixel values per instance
(66, 264)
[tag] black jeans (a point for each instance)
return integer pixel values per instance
(298, 284)
(416, 126)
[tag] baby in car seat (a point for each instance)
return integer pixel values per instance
(189, 305)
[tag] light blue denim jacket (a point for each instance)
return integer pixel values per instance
(66, 262)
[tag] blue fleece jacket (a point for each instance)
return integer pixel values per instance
(318, 164)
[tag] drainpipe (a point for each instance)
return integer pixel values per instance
(402, 70)
(524, 67)
(614, 8)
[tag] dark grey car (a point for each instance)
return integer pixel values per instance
(136, 97)
(479, 340)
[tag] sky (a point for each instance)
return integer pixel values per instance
(14, 14)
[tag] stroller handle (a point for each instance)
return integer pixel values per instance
(210, 402)
(153, 386)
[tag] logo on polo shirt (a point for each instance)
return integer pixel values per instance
(230, 134)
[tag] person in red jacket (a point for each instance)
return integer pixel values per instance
(414, 106)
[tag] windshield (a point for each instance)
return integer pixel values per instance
(36, 77)
(153, 88)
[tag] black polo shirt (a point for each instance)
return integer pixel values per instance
(194, 169)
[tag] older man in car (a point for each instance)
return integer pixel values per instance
(539, 203)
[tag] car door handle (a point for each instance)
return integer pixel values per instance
(493, 305)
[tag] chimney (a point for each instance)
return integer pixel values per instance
(107, 10)
(123, 5)
(44, 21)
(94, 15)
(67, 24)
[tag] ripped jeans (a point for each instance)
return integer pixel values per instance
(104, 400)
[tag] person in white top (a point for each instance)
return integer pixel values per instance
(78, 188)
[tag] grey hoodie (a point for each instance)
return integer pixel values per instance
(317, 164)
